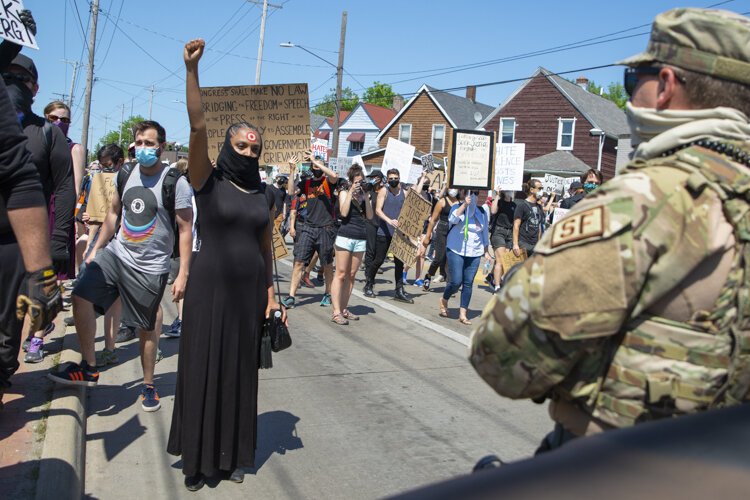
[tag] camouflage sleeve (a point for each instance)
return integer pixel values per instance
(588, 274)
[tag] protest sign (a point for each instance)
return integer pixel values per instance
(509, 166)
(436, 178)
(567, 182)
(559, 213)
(398, 155)
(277, 241)
(13, 29)
(100, 196)
(472, 159)
(320, 148)
(281, 113)
(410, 225)
(553, 184)
(509, 259)
(428, 163)
(341, 165)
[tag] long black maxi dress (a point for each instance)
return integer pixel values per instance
(214, 422)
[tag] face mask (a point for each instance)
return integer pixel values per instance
(425, 187)
(317, 173)
(394, 183)
(62, 126)
(147, 156)
(20, 95)
(590, 186)
(453, 193)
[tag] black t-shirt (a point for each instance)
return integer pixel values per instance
(531, 215)
(570, 202)
(506, 212)
(320, 211)
(279, 198)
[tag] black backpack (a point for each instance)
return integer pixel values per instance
(168, 193)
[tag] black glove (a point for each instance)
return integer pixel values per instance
(59, 254)
(28, 20)
(40, 297)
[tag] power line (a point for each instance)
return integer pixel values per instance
(74, 5)
(114, 31)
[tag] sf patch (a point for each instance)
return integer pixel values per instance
(579, 226)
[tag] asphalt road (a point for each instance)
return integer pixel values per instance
(367, 410)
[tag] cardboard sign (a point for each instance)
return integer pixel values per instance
(553, 184)
(410, 225)
(279, 247)
(100, 196)
(428, 163)
(320, 148)
(281, 113)
(436, 179)
(398, 155)
(509, 259)
(13, 29)
(509, 166)
(341, 165)
(472, 159)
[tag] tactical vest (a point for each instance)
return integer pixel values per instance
(662, 368)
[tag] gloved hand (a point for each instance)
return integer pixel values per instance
(28, 20)
(40, 297)
(59, 254)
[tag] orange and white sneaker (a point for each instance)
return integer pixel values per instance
(149, 398)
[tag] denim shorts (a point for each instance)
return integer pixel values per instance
(351, 245)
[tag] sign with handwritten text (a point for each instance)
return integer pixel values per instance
(472, 159)
(100, 196)
(13, 29)
(280, 112)
(410, 226)
(509, 166)
(398, 155)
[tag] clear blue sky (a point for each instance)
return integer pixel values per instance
(390, 41)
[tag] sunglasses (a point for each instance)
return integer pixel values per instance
(54, 118)
(631, 75)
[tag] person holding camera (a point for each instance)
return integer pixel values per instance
(351, 242)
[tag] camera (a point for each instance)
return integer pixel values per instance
(369, 184)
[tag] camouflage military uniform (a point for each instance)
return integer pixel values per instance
(636, 305)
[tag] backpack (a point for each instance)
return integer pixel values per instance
(168, 193)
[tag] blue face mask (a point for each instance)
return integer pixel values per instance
(147, 156)
(590, 186)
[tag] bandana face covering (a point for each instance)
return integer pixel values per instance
(240, 169)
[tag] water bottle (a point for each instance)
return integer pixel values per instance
(487, 267)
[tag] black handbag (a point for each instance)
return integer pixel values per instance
(275, 335)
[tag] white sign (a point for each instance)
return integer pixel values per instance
(428, 163)
(398, 155)
(553, 184)
(472, 159)
(509, 166)
(559, 214)
(341, 165)
(567, 183)
(320, 148)
(12, 28)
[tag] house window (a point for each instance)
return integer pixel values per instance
(404, 133)
(357, 146)
(438, 138)
(565, 131)
(507, 130)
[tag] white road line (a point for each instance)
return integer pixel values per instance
(445, 332)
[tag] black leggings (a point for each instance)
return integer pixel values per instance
(440, 240)
(382, 243)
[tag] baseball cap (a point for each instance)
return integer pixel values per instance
(711, 42)
(376, 173)
(26, 63)
(576, 185)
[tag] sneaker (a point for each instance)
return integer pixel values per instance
(74, 374)
(35, 352)
(124, 334)
(175, 329)
(326, 300)
(307, 282)
(26, 344)
(440, 279)
(149, 398)
(69, 321)
(289, 302)
(418, 282)
(196, 482)
(403, 278)
(106, 357)
(426, 284)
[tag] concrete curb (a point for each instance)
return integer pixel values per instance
(62, 465)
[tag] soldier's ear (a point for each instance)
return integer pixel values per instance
(670, 92)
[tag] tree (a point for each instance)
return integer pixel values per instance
(114, 135)
(615, 93)
(327, 107)
(381, 94)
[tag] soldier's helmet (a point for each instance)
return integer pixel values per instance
(711, 42)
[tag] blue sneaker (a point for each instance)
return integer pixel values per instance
(75, 374)
(289, 302)
(419, 283)
(149, 398)
(326, 300)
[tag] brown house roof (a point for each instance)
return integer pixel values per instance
(380, 116)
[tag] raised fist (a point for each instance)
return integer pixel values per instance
(193, 51)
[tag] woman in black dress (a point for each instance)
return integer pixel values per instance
(229, 293)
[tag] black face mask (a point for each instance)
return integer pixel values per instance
(425, 187)
(240, 169)
(317, 173)
(394, 183)
(20, 96)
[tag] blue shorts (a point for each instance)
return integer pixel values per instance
(351, 245)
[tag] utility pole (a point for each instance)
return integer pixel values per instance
(106, 121)
(339, 78)
(151, 101)
(263, 18)
(76, 65)
(122, 119)
(90, 76)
